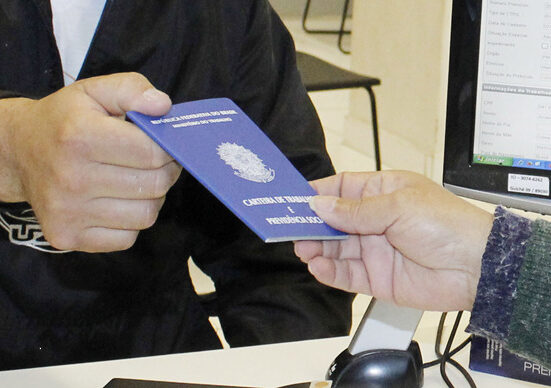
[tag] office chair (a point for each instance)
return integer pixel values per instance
(341, 31)
(318, 75)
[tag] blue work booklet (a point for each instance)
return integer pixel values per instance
(226, 151)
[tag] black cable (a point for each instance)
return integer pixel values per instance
(437, 343)
(456, 350)
(464, 372)
(439, 334)
(446, 357)
(447, 351)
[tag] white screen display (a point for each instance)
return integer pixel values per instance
(513, 109)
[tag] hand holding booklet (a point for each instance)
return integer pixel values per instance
(224, 150)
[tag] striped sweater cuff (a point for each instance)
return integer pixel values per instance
(531, 319)
(501, 266)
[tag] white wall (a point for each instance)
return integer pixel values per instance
(406, 44)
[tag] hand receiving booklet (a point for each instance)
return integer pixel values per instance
(225, 150)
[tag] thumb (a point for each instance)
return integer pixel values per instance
(370, 215)
(123, 92)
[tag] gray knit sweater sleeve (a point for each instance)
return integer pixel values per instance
(513, 301)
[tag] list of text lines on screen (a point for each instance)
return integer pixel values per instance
(513, 110)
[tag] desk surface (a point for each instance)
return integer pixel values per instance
(264, 366)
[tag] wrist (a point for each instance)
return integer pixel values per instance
(481, 230)
(12, 111)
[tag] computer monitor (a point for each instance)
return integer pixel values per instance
(498, 126)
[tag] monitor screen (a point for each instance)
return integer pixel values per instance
(498, 126)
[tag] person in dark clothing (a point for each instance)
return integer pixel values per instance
(98, 222)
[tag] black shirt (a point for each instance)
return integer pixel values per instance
(74, 307)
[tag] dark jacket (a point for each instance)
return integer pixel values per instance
(74, 307)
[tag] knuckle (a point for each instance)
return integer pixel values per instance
(344, 176)
(113, 241)
(60, 238)
(71, 141)
(59, 220)
(406, 201)
(67, 131)
(68, 179)
(356, 211)
(165, 179)
(398, 198)
(150, 214)
(174, 172)
(158, 158)
(158, 184)
(52, 205)
(413, 195)
(159, 181)
(376, 184)
(136, 77)
(395, 201)
(128, 240)
(351, 276)
(131, 80)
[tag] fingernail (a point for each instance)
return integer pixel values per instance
(153, 94)
(322, 203)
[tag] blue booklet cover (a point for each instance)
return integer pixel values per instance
(490, 356)
(217, 143)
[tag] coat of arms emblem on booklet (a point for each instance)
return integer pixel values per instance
(217, 143)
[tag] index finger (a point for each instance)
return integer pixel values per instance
(119, 93)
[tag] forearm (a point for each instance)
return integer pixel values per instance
(513, 302)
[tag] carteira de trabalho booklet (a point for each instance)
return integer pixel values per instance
(217, 143)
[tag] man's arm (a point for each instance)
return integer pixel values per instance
(92, 179)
